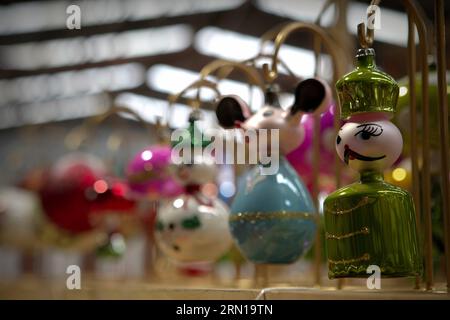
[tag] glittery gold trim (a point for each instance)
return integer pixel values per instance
(364, 201)
(364, 257)
(364, 230)
(260, 216)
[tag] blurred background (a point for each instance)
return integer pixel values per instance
(134, 53)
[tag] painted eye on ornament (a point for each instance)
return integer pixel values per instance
(191, 223)
(338, 139)
(368, 130)
(159, 226)
(268, 113)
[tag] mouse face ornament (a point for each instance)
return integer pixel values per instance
(272, 215)
(311, 96)
(370, 222)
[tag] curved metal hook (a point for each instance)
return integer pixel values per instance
(116, 109)
(270, 74)
(365, 38)
(270, 35)
(198, 84)
(252, 62)
(251, 73)
(366, 35)
(195, 85)
(77, 135)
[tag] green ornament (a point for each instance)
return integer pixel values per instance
(366, 89)
(370, 222)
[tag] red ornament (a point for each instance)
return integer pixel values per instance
(65, 195)
(110, 195)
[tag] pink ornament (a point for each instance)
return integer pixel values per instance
(302, 157)
(148, 173)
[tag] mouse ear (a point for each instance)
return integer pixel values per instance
(311, 95)
(231, 110)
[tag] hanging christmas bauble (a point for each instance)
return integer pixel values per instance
(272, 214)
(148, 173)
(111, 195)
(193, 228)
(370, 222)
(19, 216)
(65, 196)
(301, 158)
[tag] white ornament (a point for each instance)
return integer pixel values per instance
(19, 216)
(189, 230)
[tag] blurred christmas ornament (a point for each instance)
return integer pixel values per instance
(149, 176)
(19, 215)
(278, 228)
(301, 158)
(111, 195)
(370, 222)
(68, 192)
(193, 228)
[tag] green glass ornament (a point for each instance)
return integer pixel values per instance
(366, 89)
(370, 222)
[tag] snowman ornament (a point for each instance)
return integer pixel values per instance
(193, 227)
(370, 222)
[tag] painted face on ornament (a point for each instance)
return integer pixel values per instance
(311, 95)
(187, 231)
(369, 145)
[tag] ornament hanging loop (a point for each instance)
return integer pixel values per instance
(365, 38)
(226, 67)
(196, 102)
(270, 71)
(366, 34)
(78, 135)
(195, 85)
